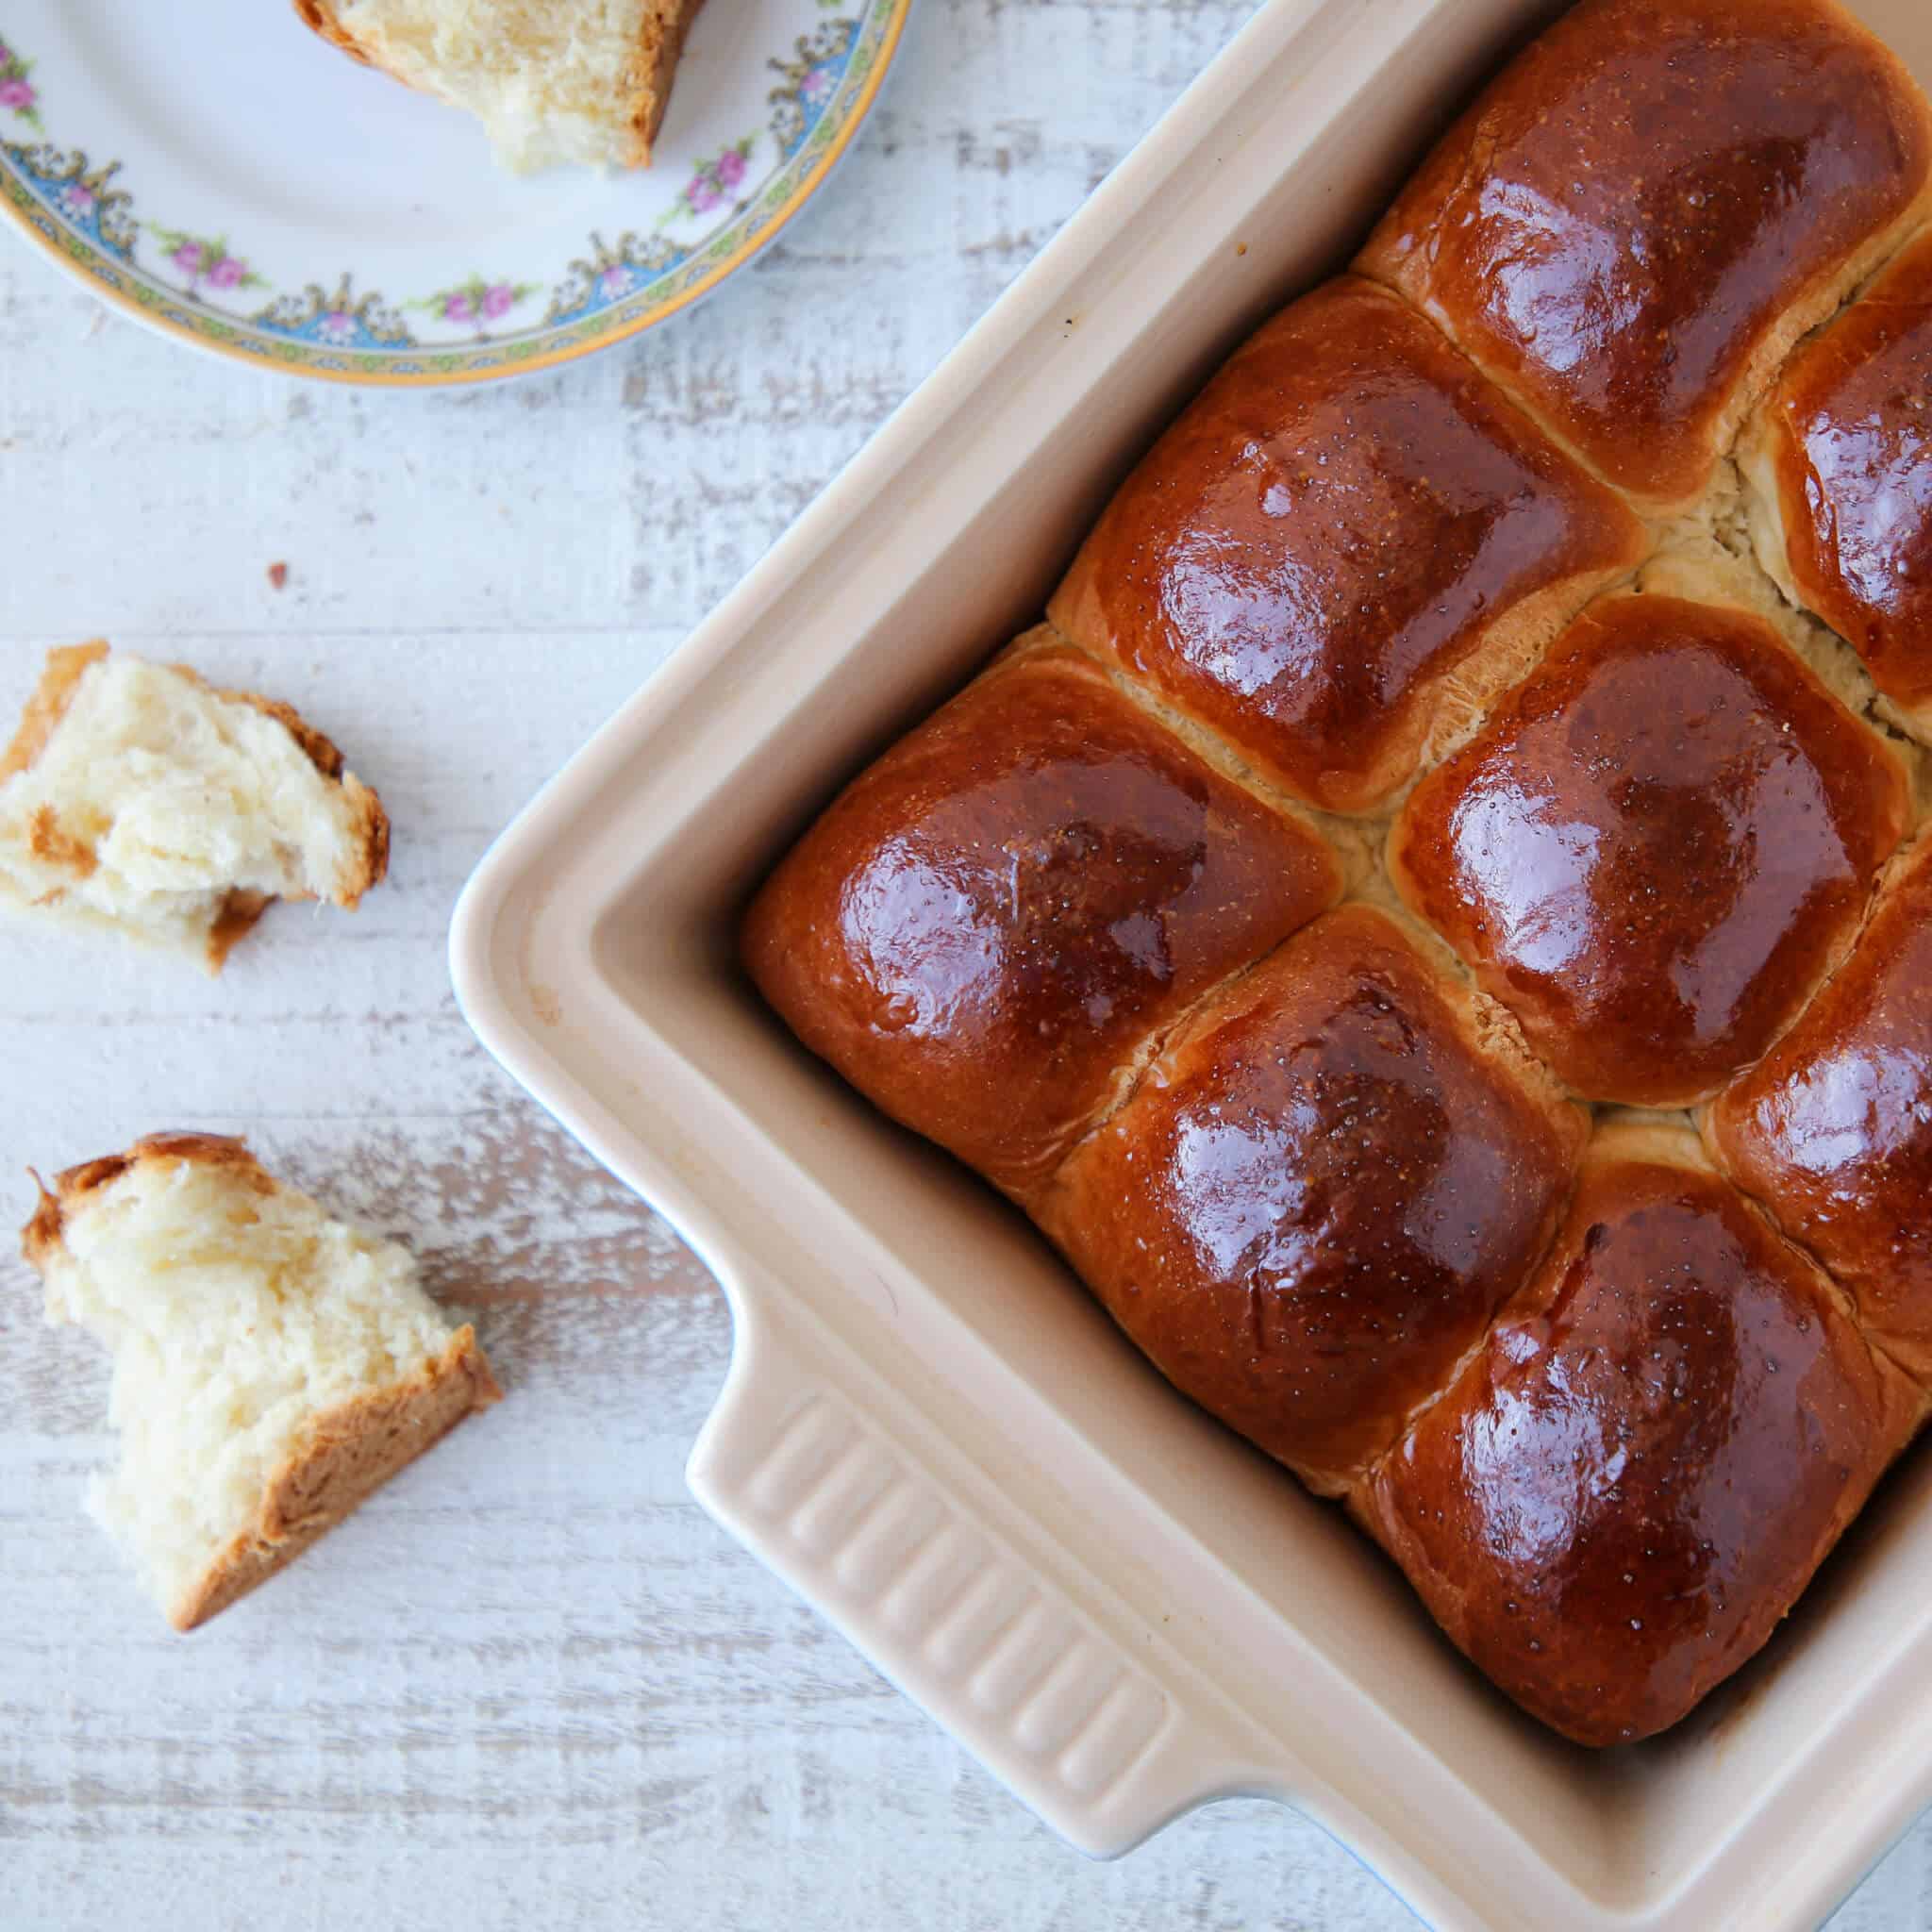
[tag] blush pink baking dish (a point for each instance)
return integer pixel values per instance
(928, 1428)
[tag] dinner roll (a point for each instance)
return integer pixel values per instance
(1660, 1441)
(1634, 223)
(139, 800)
(1656, 847)
(272, 1367)
(1344, 546)
(1321, 1190)
(990, 928)
(551, 81)
(1840, 462)
(1833, 1130)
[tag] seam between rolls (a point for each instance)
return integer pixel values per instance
(1418, 1411)
(1841, 1297)
(1700, 516)
(1509, 394)
(1336, 830)
(1222, 759)
(1153, 1045)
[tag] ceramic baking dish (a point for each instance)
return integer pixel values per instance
(928, 1428)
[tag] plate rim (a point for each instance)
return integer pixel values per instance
(80, 261)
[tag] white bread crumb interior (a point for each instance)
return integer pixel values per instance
(155, 798)
(238, 1315)
(553, 81)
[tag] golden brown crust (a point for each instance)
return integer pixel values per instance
(372, 866)
(240, 914)
(52, 845)
(986, 928)
(1658, 1444)
(1837, 452)
(1833, 1128)
(661, 47)
(1638, 219)
(320, 17)
(59, 679)
(45, 1233)
(1265, 1217)
(349, 1452)
(1655, 890)
(1346, 544)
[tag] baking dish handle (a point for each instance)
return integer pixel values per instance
(824, 1474)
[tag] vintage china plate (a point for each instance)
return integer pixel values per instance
(220, 174)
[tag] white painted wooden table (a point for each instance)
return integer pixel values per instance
(530, 1685)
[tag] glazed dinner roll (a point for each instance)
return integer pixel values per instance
(1319, 1194)
(1660, 1441)
(1634, 223)
(1656, 846)
(992, 925)
(1840, 460)
(1833, 1129)
(1346, 544)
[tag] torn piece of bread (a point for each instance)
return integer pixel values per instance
(272, 1367)
(553, 81)
(139, 798)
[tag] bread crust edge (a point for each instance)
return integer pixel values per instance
(651, 90)
(45, 1233)
(319, 16)
(348, 1452)
(66, 665)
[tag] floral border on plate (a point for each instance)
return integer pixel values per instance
(82, 210)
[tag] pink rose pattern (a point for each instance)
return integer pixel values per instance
(714, 184)
(205, 261)
(477, 301)
(18, 94)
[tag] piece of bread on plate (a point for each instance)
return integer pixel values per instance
(554, 82)
(272, 1367)
(138, 798)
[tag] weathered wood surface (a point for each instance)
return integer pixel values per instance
(530, 1685)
